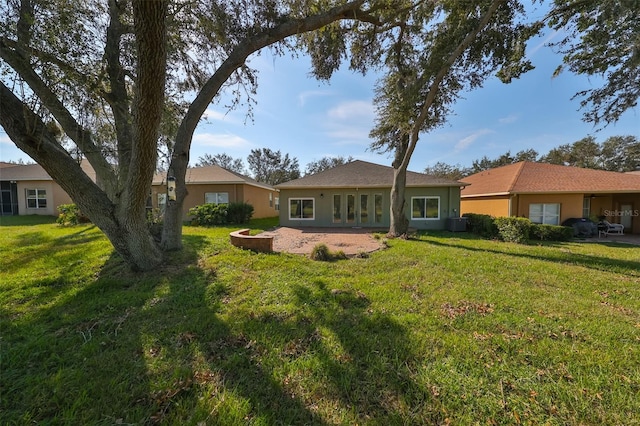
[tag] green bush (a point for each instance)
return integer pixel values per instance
(69, 214)
(322, 253)
(220, 214)
(551, 232)
(209, 214)
(481, 224)
(513, 229)
(239, 212)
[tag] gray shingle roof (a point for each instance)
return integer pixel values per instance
(212, 175)
(361, 174)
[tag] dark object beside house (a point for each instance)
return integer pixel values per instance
(582, 227)
(456, 224)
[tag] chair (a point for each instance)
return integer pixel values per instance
(613, 228)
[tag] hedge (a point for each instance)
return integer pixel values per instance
(221, 214)
(515, 229)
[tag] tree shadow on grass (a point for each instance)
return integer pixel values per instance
(144, 349)
(599, 263)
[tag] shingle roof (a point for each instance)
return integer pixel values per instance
(527, 177)
(212, 175)
(361, 174)
(30, 172)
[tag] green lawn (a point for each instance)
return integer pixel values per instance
(440, 329)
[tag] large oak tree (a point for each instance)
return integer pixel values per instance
(108, 79)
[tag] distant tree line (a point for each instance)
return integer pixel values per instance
(271, 167)
(616, 154)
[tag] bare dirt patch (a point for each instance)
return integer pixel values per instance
(350, 241)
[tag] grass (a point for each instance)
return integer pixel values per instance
(440, 329)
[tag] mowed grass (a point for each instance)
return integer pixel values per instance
(440, 329)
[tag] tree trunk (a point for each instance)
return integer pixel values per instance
(399, 225)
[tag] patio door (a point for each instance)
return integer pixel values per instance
(363, 215)
(625, 219)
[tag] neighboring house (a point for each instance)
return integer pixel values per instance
(28, 189)
(549, 193)
(214, 184)
(357, 194)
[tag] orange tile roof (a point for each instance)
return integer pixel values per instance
(527, 177)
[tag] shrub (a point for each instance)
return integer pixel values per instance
(209, 214)
(239, 212)
(513, 229)
(481, 224)
(551, 232)
(322, 253)
(69, 214)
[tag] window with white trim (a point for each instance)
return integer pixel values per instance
(162, 201)
(302, 208)
(548, 214)
(36, 199)
(425, 208)
(277, 203)
(586, 207)
(216, 198)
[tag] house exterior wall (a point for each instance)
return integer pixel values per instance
(364, 207)
(627, 216)
(257, 197)
(55, 196)
(262, 200)
(570, 204)
(497, 206)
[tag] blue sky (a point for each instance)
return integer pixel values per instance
(309, 119)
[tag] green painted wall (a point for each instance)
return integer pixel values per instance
(363, 214)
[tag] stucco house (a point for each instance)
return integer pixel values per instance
(27, 189)
(549, 193)
(357, 194)
(214, 184)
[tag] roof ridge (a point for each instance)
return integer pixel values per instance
(520, 168)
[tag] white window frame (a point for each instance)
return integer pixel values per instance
(426, 198)
(301, 200)
(38, 196)
(586, 207)
(545, 215)
(277, 203)
(162, 201)
(217, 197)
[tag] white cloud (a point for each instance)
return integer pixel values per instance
(349, 123)
(4, 139)
(221, 140)
(352, 110)
(464, 143)
(304, 96)
(508, 119)
(212, 115)
(544, 42)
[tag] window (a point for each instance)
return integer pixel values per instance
(548, 214)
(162, 201)
(586, 207)
(351, 208)
(301, 208)
(426, 208)
(277, 203)
(270, 200)
(216, 198)
(36, 199)
(337, 208)
(377, 201)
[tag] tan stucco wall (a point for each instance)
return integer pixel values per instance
(570, 204)
(257, 197)
(497, 206)
(55, 197)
